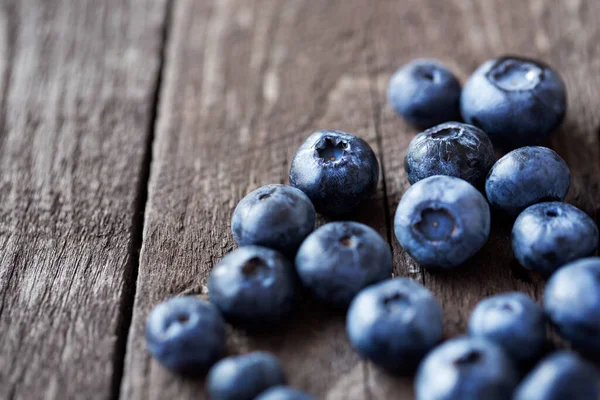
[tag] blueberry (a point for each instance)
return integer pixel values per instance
(274, 216)
(425, 93)
(244, 377)
(466, 369)
(548, 235)
(283, 393)
(561, 375)
(185, 334)
(340, 258)
(527, 176)
(572, 303)
(337, 171)
(441, 221)
(394, 324)
(513, 321)
(452, 149)
(517, 101)
(253, 287)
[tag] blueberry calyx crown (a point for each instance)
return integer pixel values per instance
(331, 149)
(436, 224)
(516, 74)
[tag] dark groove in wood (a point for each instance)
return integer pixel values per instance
(131, 273)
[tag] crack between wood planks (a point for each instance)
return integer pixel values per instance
(132, 269)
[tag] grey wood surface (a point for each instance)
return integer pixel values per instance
(77, 89)
(242, 84)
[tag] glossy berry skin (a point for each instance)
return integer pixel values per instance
(561, 375)
(337, 171)
(572, 304)
(546, 236)
(284, 393)
(451, 149)
(425, 93)
(244, 377)
(514, 321)
(466, 369)
(527, 176)
(275, 216)
(441, 221)
(253, 287)
(340, 258)
(394, 324)
(185, 334)
(516, 101)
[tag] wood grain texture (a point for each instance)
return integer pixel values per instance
(77, 81)
(247, 81)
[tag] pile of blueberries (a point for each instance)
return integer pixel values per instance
(510, 104)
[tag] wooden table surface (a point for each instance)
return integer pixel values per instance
(130, 129)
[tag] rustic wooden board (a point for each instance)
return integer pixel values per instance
(246, 81)
(77, 90)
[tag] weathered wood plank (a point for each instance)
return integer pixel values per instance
(247, 81)
(78, 81)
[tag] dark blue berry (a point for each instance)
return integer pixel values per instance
(185, 334)
(284, 393)
(527, 176)
(337, 171)
(394, 324)
(275, 216)
(560, 376)
(572, 303)
(441, 221)
(425, 93)
(513, 321)
(244, 377)
(516, 101)
(340, 258)
(466, 369)
(253, 286)
(548, 235)
(451, 149)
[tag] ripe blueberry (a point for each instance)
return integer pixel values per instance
(451, 149)
(252, 287)
(425, 93)
(560, 376)
(516, 101)
(514, 321)
(572, 303)
(527, 176)
(340, 258)
(394, 324)
(337, 171)
(274, 216)
(466, 369)
(441, 221)
(185, 334)
(244, 377)
(548, 235)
